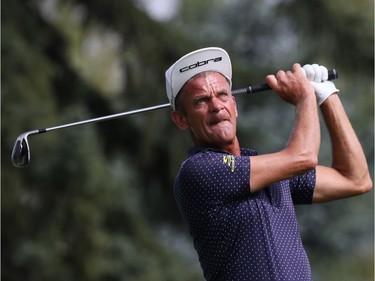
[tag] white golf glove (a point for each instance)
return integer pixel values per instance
(318, 76)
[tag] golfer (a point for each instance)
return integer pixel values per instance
(238, 204)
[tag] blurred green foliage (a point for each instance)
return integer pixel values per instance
(96, 202)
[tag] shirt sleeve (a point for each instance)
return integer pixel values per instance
(302, 187)
(208, 181)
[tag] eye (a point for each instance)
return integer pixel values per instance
(200, 101)
(223, 95)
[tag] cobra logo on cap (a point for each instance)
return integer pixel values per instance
(200, 63)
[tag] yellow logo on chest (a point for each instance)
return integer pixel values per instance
(229, 160)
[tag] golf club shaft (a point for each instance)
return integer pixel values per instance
(332, 74)
(105, 118)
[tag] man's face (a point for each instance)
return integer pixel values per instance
(209, 111)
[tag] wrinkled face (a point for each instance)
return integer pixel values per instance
(207, 108)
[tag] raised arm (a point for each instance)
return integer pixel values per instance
(301, 151)
(348, 174)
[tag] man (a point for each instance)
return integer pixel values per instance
(239, 204)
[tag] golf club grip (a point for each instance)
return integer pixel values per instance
(332, 74)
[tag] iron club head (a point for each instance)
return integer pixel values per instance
(21, 150)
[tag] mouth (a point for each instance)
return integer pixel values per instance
(217, 122)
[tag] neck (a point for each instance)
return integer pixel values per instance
(232, 148)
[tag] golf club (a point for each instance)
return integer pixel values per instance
(21, 149)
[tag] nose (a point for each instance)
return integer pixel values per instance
(216, 105)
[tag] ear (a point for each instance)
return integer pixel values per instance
(179, 119)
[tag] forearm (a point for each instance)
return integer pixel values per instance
(300, 153)
(305, 138)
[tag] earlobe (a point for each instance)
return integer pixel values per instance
(179, 119)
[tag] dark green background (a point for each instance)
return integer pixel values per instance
(96, 201)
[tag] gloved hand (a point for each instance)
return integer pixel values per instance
(318, 76)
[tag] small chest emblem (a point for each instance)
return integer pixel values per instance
(229, 160)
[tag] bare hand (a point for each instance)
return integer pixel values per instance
(292, 86)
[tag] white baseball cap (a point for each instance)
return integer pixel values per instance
(206, 59)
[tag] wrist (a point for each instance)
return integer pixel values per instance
(307, 103)
(308, 96)
(330, 99)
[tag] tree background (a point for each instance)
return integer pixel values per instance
(96, 202)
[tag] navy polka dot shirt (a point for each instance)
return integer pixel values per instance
(240, 235)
